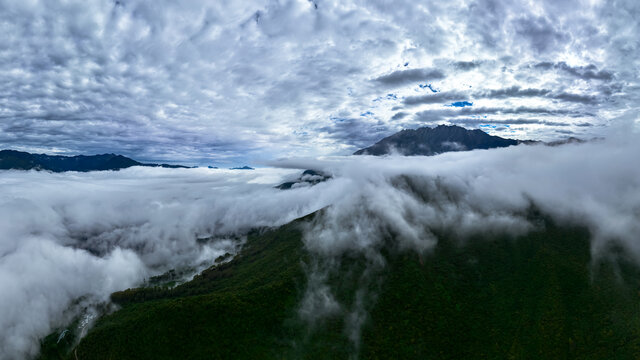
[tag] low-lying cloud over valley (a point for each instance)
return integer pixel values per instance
(71, 239)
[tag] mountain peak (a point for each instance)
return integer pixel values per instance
(20, 160)
(435, 140)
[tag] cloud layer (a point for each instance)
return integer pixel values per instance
(237, 82)
(70, 239)
(404, 202)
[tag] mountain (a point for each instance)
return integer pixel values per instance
(437, 140)
(308, 178)
(19, 160)
(242, 168)
(570, 140)
(536, 296)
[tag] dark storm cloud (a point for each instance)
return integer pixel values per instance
(356, 131)
(513, 92)
(399, 115)
(589, 72)
(489, 18)
(402, 77)
(436, 98)
(465, 65)
(505, 93)
(450, 114)
(517, 92)
(474, 122)
(541, 34)
(575, 98)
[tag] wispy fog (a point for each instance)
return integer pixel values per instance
(74, 238)
(411, 199)
(595, 184)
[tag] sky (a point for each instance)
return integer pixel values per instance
(246, 82)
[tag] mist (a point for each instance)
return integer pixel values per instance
(405, 202)
(69, 240)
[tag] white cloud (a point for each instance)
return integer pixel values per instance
(73, 236)
(403, 202)
(249, 81)
(69, 240)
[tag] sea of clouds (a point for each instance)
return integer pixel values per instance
(69, 240)
(482, 192)
(72, 236)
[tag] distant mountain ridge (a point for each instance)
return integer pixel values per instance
(308, 178)
(437, 140)
(20, 160)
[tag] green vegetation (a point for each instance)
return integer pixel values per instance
(540, 296)
(535, 297)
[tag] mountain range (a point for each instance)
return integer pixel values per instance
(308, 178)
(424, 141)
(538, 296)
(19, 160)
(431, 141)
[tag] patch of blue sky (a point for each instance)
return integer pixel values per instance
(428, 86)
(387, 97)
(460, 104)
(488, 126)
(367, 113)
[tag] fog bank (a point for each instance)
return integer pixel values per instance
(405, 202)
(68, 240)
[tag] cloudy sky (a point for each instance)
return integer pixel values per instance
(234, 82)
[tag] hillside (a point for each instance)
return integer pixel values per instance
(534, 297)
(437, 140)
(19, 160)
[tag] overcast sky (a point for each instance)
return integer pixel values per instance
(234, 82)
